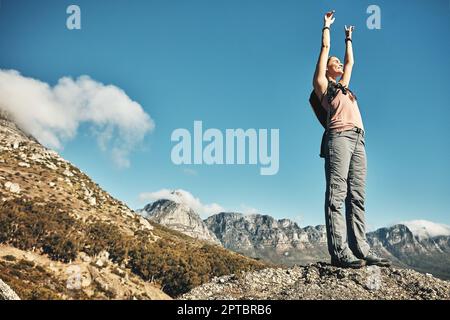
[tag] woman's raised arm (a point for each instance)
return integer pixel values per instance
(320, 81)
(349, 61)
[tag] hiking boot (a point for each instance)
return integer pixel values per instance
(372, 259)
(354, 264)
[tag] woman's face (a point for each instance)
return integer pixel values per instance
(334, 67)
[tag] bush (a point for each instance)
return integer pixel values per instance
(9, 258)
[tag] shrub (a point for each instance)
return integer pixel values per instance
(9, 258)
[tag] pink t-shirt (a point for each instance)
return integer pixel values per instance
(344, 112)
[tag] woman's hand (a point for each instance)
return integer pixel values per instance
(348, 31)
(328, 19)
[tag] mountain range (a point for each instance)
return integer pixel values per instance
(284, 242)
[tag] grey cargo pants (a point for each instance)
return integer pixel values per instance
(345, 170)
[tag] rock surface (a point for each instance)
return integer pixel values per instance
(323, 281)
(6, 293)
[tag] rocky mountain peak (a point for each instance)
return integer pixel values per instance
(397, 235)
(179, 217)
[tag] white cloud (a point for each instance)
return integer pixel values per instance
(183, 197)
(53, 114)
(427, 229)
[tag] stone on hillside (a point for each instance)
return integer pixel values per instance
(68, 173)
(23, 164)
(84, 257)
(51, 166)
(92, 201)
(12, 187)
(102, 259)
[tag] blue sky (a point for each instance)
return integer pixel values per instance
(249, 64)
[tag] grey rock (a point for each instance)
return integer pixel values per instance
(12, 187)
(6, 293)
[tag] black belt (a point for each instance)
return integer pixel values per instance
(355, 129)
(358, 130)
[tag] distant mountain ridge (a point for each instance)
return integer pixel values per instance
(262, 236)
(284, 242)
(398, 243)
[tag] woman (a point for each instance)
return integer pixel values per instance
(345, 157)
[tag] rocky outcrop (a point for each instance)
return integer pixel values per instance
(322, 281)
(179, 217)
(6, 293)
